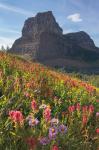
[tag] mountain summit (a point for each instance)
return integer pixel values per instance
(42, 22)
(43, 40)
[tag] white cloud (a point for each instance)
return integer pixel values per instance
(75, 17)
(15, 9)
(6, 41)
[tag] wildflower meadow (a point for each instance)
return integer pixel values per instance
(42, 109)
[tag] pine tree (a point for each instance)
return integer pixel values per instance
(7, 48)
(2, 48)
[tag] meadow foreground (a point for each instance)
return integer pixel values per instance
(41, 109)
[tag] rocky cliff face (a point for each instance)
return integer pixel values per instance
(42, 40)
(82, 39)
(32, 35)
(42, 22)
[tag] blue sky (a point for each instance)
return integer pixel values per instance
(72, 15)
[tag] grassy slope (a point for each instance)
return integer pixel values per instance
(19, 78)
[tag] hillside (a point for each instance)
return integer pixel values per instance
(43, 109)
(43, 40)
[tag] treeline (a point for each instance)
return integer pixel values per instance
(4, 49)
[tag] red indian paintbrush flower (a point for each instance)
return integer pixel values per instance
(71, 108)
(84, 119)
(55, 147)
(91, 108)
(97, 130)
(47, 113)
(85, 109)
(33, 105)
(78, 107)
(16, 116)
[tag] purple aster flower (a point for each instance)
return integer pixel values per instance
(53, 132)
(97, 114)
(62, 129)
(44, 140)
(33, 122)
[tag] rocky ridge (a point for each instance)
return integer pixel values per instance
(43, 40)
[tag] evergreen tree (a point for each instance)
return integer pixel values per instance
(2, 48)
(7, 48)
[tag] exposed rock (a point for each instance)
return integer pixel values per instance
(42, 22)
(42, 40)
(82, 39)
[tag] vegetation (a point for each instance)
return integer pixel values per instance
(92, 79)
(41, 109)
(4, 49)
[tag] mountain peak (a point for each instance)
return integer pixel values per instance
(42, 40)
(42, 22)
(46, 13)
(82, 39)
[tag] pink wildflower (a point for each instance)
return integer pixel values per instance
(47, 113)
(55, 147)
(91, 108)
(27, 94)
(84, 119)
(97, 130)
(78, 107)
(33, 105)
(85, 109)
(16, 116)
(71, 108)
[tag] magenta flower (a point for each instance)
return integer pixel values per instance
(62, 129)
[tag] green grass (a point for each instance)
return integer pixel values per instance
(72, 101)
